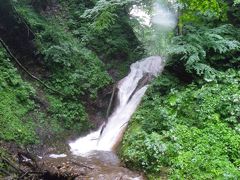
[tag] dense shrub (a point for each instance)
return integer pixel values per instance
(15, 103)
(202, 50)
(193, 130)
(70, 115)
(104, 27)
(75, 69)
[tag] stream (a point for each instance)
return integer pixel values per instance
(95, 153)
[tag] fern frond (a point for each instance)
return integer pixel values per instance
(194, 47)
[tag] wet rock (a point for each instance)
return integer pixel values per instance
(98, 166)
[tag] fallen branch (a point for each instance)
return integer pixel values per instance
(108, 110)
(22, 20)
(81, 165)
(111, 101)
(22, 176)
(25, 70)
(12, 165)
(126, 123)
(5, 172)
(29, 172)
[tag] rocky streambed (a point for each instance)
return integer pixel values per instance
(98, 165)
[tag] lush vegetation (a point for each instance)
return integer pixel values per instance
(204, 50)
(74, 40)
(192, 130)
(187, 126)
(61, 50)
(15, 104)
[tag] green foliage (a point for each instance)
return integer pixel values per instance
(187, 132)
(75, 69)
(193, 131)
(103, 14)
(70, 115)
(15, 103)
(163, 84)
(104, 27)
(40, 4)
(208, 153)
(83, 72)
(3, 165)
(236, 1)
(200, 49)
(196, 11)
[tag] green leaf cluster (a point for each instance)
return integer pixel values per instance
(69, 115)
(15, 104)
(103, 26)
(197, 11)
(75, 69)
(4, 153)
(192, 131)
(201, 49)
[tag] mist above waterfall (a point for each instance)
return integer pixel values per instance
(164, 21)
(157, 23)
(163, 17)
(160, 15)
(142, 16)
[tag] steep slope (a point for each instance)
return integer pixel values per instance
(56, 45)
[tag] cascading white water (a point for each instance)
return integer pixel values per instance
(129, 96)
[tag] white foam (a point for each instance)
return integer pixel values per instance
(55, 156)
(129, 96)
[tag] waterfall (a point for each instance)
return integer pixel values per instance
(130, 92)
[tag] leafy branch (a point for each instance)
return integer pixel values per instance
(194, 48)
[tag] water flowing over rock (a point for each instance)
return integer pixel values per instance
(130, 92)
